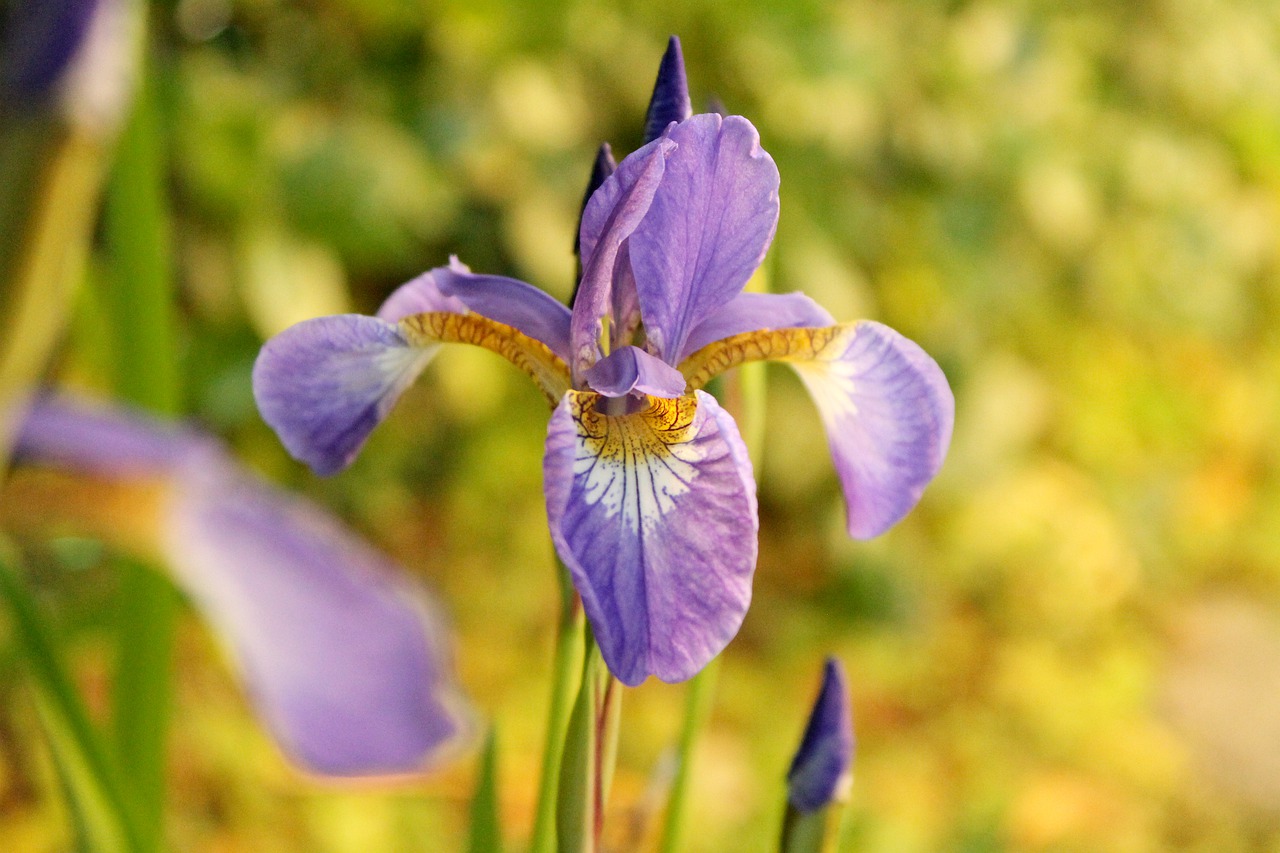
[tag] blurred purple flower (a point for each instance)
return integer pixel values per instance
(79, 52)
(820, 771)
(650, 493)
(40, 40)
(344, 660)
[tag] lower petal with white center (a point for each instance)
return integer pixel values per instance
(654, 513)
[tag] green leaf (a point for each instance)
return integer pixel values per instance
(139, 299)
(96, 799)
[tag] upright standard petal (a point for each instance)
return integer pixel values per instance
(324, 384)
(601, 168)
(654, 513)
(820, 771)
(707, 228)
(344, 663)
(886, 406)
(612, 214)
(670, 99)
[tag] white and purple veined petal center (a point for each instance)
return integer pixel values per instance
(653, 510)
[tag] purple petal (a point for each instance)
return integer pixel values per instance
(821, 767)
(324, 384)
(654, 514)
(707, 228)
(511, 301)
(670, 100)
(601, 169)
(631, 370)
(103, 440)
(419, 296)
(346, 664)
(748, 312)
(888, 412)
(612, 214)
(343, 663)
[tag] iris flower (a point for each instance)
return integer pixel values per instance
(650, 494)
(344, 660)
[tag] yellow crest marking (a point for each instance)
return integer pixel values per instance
(535, 358)
(636, 464)
(797, 345)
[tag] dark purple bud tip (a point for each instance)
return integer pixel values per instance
(670, 101)
(821, 769)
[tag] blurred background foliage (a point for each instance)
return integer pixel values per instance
(1072, 645)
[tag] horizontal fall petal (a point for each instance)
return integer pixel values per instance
(886, 406)
(707, 229)
(346, 662)
(324, 384)
(654, 514)
(888, 413)
(343, 662)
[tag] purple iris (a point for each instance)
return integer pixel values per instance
(345, 661)
(650, 493)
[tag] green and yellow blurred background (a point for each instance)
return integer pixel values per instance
(1073, 644)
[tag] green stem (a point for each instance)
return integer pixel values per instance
(697, 708)
(140, 304)
(579, 795)
(486, 830)
(564, 686)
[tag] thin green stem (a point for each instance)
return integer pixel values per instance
(697, 708)
(564, 686)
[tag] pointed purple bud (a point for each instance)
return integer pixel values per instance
(603, 167)
(670, 101)
(820, 772)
